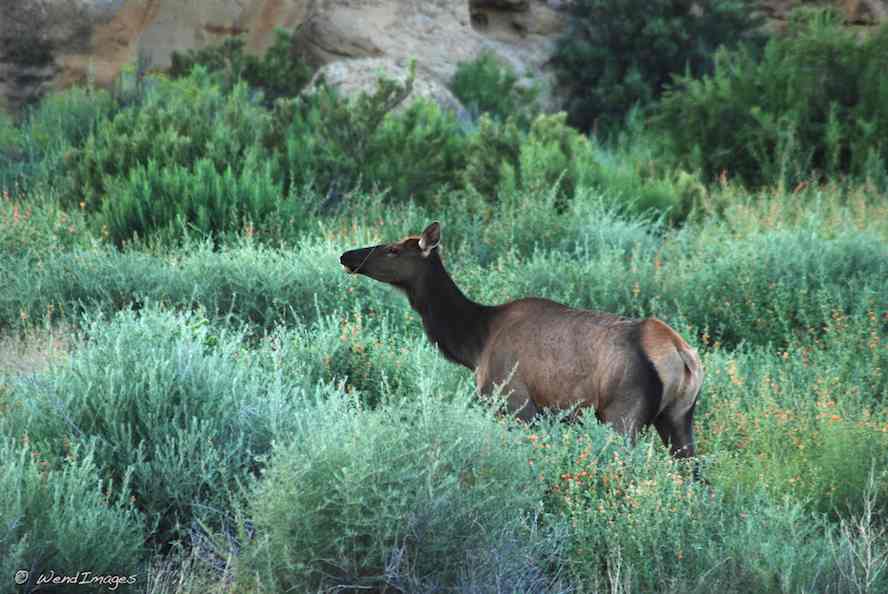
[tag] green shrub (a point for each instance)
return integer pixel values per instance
(547, 161)
(765, 288)
(489, 150)
(178, 123)
(502, 160)
(10, 151)
(168, 202)
(34, 152)
(619, 53)
(247, 284)
(638, 522)
(342, 145)
(758, 287)
(632, 176)
(32, 226)
(278, 73)
(813, 105)
(371, 362)
(807, 422)
(60, 517)
(489, 85)
(417, 153)
(414, 496)
(176, 411)
(329, 138)
(155, 163)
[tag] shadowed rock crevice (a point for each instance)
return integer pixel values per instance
(35, 37)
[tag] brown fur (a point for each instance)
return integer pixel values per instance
(543, 354)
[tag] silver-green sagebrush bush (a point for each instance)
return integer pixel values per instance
(174, 412)
(787, 317)
(420, 495)
(63, 516)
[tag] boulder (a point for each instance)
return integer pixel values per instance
(350, 77)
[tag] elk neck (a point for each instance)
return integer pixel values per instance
(459, 326)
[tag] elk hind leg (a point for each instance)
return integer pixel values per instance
(677, 432)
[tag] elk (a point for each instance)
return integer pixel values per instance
(632, 372)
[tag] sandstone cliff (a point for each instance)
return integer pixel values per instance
(46, 44)
(51, 44)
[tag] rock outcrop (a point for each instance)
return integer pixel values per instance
(50, 44)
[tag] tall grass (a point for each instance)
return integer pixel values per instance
(759, 288)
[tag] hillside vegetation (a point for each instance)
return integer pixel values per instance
(194, 397)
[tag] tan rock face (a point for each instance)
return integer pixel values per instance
(51, 44)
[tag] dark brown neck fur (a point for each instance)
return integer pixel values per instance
(455, 323)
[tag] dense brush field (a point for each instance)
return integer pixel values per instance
(195, 397)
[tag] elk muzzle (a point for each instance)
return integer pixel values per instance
(354, 260)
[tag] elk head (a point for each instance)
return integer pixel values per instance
(402, 264)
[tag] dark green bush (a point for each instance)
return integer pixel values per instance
(328, 139)
(278, 73)
(488, 150)
(547, 160)
(417, 153)
(178, 123)
(619, 53)
(815, 101)
(187, 153)
(632, 179)
(502, 160)
(339, 145)
(59, 515)
(489, 85)
(170, 201)
(32, 154)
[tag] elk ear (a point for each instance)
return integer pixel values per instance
(430, 238)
